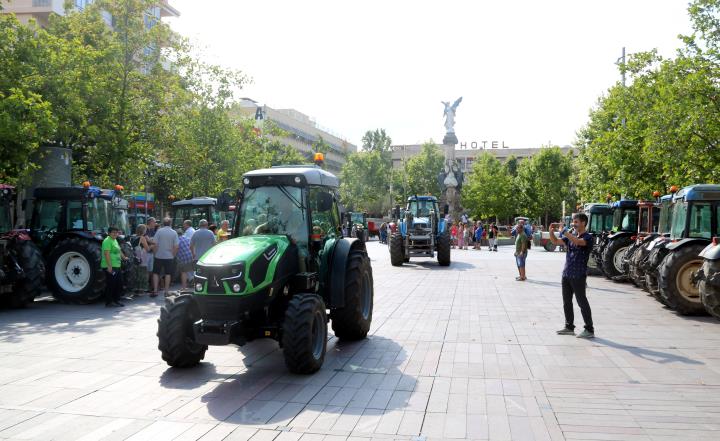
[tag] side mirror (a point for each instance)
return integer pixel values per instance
(324, 201)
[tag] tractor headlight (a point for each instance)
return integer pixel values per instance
(198, 287)
(236, 287)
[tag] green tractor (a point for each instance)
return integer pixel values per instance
(284, 274)
(357, 225)
(693, 224)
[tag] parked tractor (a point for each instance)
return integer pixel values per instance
(600, 217)
(693, 223)
(421, 232)
(69, 225)
(214, 210)
(613, 245)
(709, 278)
(22, 269)
(648, 218)
(357, 225)
(286, 271)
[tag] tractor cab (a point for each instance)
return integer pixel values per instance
(625, 216)
(286, 264)
(600, 218)
(195, 209)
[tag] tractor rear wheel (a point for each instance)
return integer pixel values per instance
(677, 286)
(443, 249)
(613, 255)
(709, 289)
(74, 273)
(397, 256)
(304, 337)
(352, 322)
(30, 260)
(176, 339)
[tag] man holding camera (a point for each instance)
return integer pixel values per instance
(578, 243)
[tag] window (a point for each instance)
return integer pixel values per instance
(701, 220)
(325, 220)
(98, 215)
(679, 215)
(74, 219)
(47, 215)
(665, 217)
(274, 210)
(644, 218)
(5, 218)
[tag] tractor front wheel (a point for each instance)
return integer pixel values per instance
(710, 288)
(612, 259)
(176, 339)
(352, 322)
(678, 288)
(443, 249)
(304, 337)
(397, 256)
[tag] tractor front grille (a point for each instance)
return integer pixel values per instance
(216, 275)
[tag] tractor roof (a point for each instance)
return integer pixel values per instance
(597, 208)
(666, 197)
(700, 192)
(201, 201)
(286, 174)
(422, 198)
(625, 203)
(62, 193)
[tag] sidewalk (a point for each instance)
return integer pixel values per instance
(463, 352)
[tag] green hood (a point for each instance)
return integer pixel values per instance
(242, 249)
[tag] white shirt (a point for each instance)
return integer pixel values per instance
(189, 232)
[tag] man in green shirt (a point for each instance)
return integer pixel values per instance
(111, 262)
(521, 249)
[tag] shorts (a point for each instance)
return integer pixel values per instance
(164, 266)
(186, 267)
(520, 260)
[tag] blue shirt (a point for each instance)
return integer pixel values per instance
(576, 258)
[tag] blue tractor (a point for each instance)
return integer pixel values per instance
(693, 223)
(421, 231)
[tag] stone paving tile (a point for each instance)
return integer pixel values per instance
(463, 352)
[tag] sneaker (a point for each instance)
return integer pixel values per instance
(566, 331)
(586, 334)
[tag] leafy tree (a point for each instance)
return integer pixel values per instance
(545, 181)
(376, 141)
(487, 189)
(364, 182)
(422, 170)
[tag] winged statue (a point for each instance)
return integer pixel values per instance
(449, 114)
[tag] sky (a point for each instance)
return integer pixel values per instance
(529, 71)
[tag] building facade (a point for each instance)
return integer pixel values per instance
(466, 156)
(302, 132)
(40, 10)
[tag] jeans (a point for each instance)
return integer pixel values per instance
(520, 260)
(576, 287)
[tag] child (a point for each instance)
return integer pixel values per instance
(478, 237)
(453, 235)
(461, 236)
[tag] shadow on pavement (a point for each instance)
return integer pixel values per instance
(356, 377)
(648, 354)
(431, 264)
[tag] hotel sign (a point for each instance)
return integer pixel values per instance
(482, 145)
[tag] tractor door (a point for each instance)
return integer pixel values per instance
(47, 220)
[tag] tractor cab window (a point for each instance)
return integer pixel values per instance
(121, 221)
(48, 215)
(274, 210)
(420, 208)
(325, 213)
(194, 214)
(98, 215)
(679, 215)
(625, 220)
(701, 220)
(74, 220)
(5, 219)
(665, 217)
(644, 217)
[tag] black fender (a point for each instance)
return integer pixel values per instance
(712, 252)
(685, 242)
(56, 238)
(339, 260)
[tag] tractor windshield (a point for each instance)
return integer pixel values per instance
(421, 208)
(5, 219)
(625, 219)
(665, 215)
(357, 218)
(194, 213)
(121, 221)
(99, 215)
(273, 210)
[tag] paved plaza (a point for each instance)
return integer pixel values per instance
(464, 352)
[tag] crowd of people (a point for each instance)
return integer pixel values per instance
(160, 253)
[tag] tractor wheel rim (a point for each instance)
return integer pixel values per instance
(618, 259)
(684, 281)
(318, 335)
(365, 293)
(72, 272)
